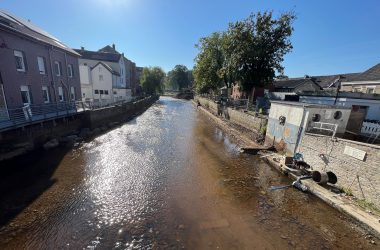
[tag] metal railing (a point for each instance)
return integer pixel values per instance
(92, 105)
(28, 114)
(324, 126)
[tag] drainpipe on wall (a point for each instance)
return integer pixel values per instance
(52, 75)
(67, 81)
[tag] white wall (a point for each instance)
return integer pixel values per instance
(87, 93)
(85, 74)
(105, 84)
(327, 116)
(292, 113)
(373, 110)
(280, 95)
(122, 94)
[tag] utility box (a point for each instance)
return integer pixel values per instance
(288, 121)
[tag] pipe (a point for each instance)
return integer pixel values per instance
(332, 177)
(324, 177)
(52, 75)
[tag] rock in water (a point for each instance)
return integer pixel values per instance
(51, 144)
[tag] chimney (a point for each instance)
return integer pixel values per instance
(82, 48)
(113, 46)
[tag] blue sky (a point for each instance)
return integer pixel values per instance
(330, 36)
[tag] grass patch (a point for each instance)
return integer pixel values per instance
(368, 206)
(347, 191)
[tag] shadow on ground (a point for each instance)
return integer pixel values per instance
(21, 184)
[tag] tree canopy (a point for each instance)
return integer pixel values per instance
(250, 52)
(178, 78)
(208, 63)
(152, 80)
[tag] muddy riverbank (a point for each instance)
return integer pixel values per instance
(167, 179)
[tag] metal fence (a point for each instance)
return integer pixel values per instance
(30, 114)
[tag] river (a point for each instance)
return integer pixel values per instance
(167, 179)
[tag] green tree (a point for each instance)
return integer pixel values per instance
(191, 78)
(152, 80)
(208, 63)
(254, 49)
(178, 78)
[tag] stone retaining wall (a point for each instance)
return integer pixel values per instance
(22, 140)
(361, 177)
(99, 117)
(209, 104)
(245, 120)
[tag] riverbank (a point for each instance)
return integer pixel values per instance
(168, 179)
(68, 130)
(365, 219)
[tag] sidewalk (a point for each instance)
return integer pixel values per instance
(367, 220)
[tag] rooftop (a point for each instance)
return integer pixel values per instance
(308, 105)
(372, 74)
(107, 67)
(23, 27)
(100, 56)
(293, 82)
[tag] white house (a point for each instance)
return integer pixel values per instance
(103, 81)
(101, 73)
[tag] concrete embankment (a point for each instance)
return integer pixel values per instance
(366, 219)
(255, 125)
(68, 130)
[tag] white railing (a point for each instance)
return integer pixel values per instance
(371, 128)
(325, 126)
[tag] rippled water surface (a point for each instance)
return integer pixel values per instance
(167, 179)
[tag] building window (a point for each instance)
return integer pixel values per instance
(41, 65)
(70, 72)
(72, 93)
(370, 90)
(357, 89)
(60, 94)
(100, 77)
(114, 92)
(101, 92)
(25, 95)
(45, 94)
(96, 91)
(57, 68)
(20, 61)
(106, 92)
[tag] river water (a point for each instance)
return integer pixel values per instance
(167, 179)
